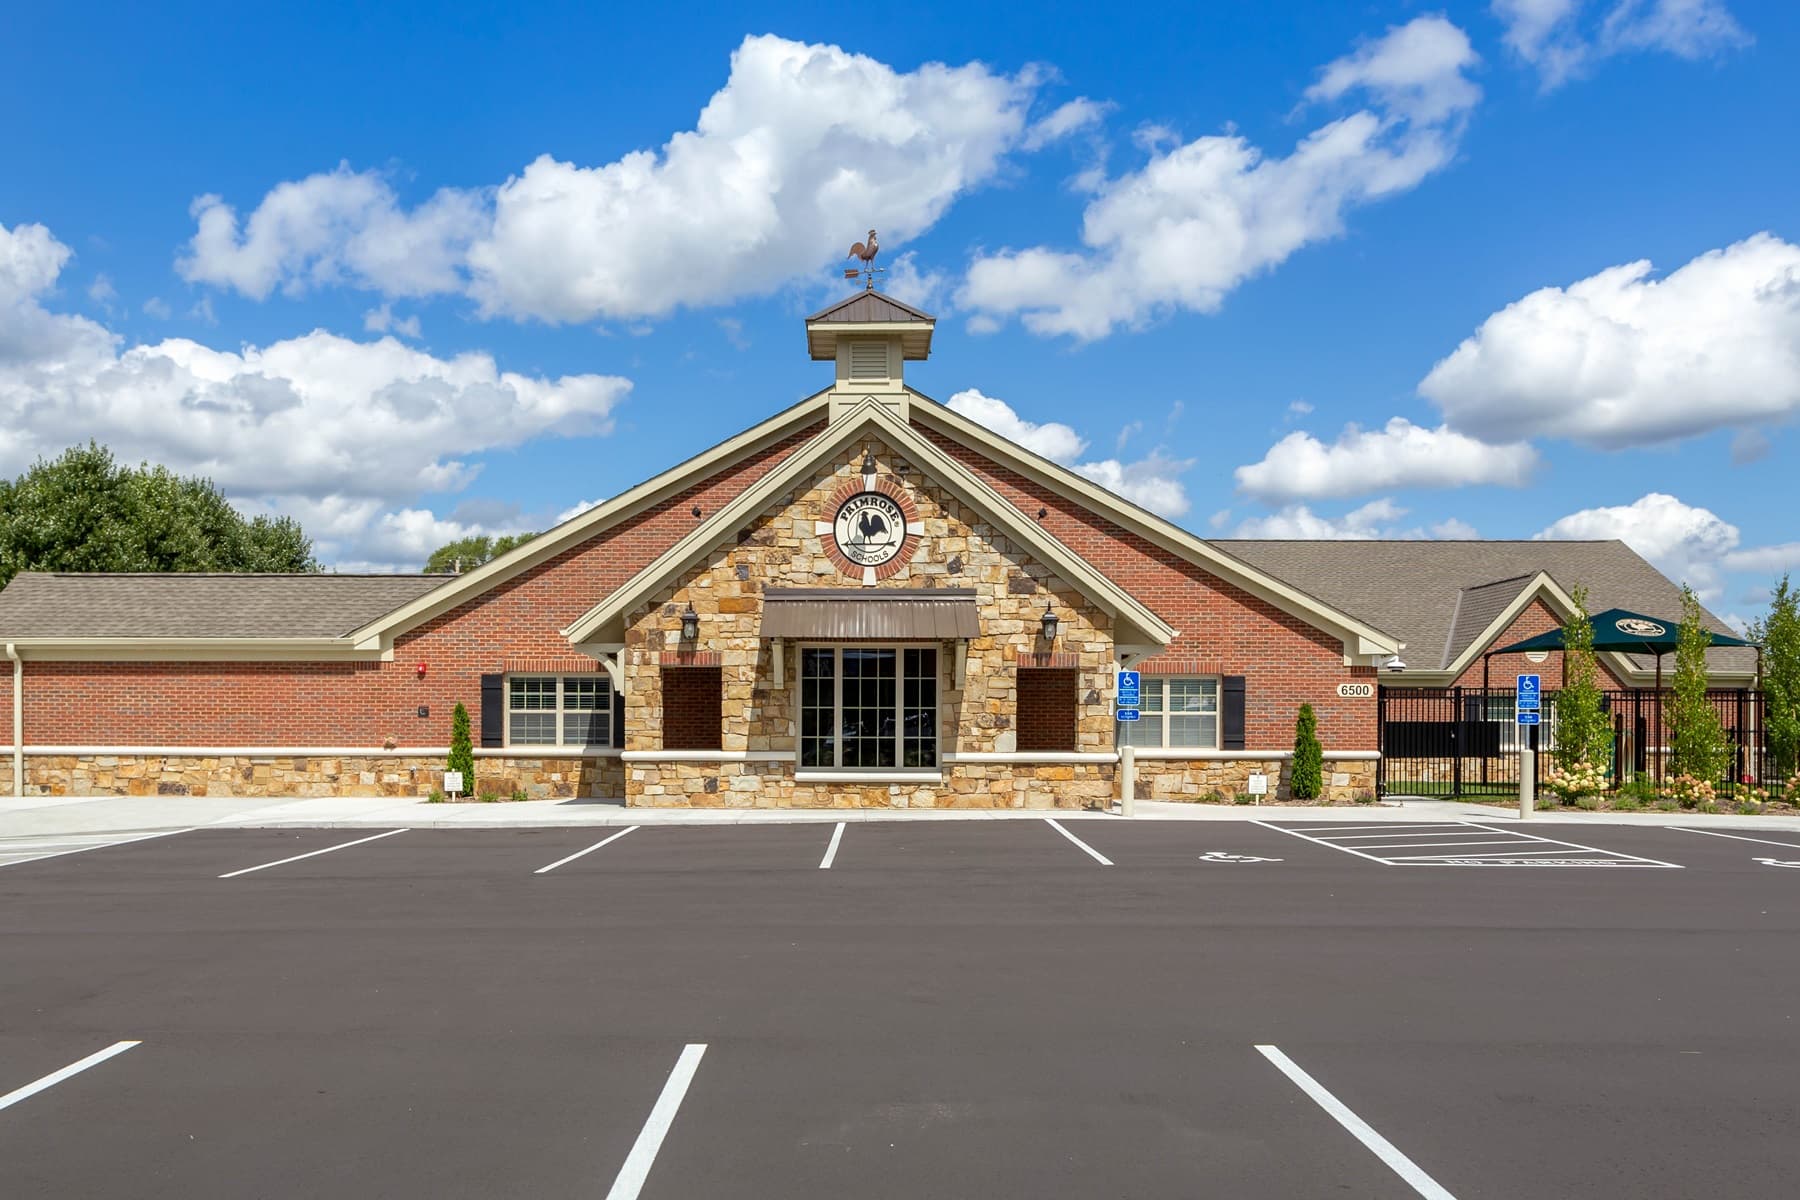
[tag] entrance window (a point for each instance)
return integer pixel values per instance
(868, 708)
(1176, 714)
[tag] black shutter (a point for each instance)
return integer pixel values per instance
(618, 720)
(493, 710)
(1231, 714)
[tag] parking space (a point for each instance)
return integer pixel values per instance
(950, 1008)
(1459, 844)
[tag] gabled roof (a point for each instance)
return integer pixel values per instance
(1415, 587)
(1361, 637)
(592, 522)
(65, 605)
(868, 306)
(1134, 624)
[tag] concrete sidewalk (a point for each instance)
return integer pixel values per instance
(35, 817)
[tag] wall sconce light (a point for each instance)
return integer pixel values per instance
(421, 670)
(690, 623)
(1050, 622)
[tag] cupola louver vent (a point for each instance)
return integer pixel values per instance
(868, 360)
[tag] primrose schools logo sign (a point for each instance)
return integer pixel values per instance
(869, 529)
(1638, 627)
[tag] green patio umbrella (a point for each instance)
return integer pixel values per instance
(1626, 632)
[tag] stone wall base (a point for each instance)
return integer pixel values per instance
(965, 785)
(1228, 782)
(303, 777)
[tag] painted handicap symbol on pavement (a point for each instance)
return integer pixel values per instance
(1221, 856)
(1775, 862)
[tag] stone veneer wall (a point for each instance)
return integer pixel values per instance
(307, 776)
(1198, 779)
(785, 548)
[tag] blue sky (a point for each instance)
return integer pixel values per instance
(1285, 270)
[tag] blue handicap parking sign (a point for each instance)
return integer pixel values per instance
(1128, 689)
(1526, 698)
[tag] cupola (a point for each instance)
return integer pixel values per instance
(870, 336)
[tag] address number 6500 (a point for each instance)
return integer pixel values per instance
(1356, 690)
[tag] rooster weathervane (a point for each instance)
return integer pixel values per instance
(864, 252)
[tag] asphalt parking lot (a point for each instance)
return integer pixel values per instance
(905, 1009)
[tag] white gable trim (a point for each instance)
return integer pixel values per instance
(605, 621)
(1359, 637)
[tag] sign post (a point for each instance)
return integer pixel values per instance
(1125, 705)
(1528, 712)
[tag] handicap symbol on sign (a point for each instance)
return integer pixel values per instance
(1776, 862)
(1222, 857)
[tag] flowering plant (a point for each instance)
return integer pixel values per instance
(1570, 783)
(1690, 792)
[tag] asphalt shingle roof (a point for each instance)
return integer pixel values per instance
(39, 604)
(1411, 589)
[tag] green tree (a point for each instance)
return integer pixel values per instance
(1779, 635)
(82, 511)
(465, 554)
(462, 749)
(1309, 757)
(1583, 731)
(1697, 745)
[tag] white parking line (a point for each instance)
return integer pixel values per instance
(1531, 850)
(55, 1077)
(837, 835)
(603, 841)
(1093, 853)
(9, 847)
(1360, 1129)
(1740, 837)
(327, 850)
(650, 1139)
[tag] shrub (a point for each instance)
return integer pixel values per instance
(1626, 802)
(1213, 797)
(1365, 797)
(1588, 803)
(1309, 757)
(1243, 798)
(1666, 805)
(1689, 792)
(519, 794)
(1584, 778)
(462, 749)
(436, 797)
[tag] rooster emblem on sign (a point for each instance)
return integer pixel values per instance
(870, 527)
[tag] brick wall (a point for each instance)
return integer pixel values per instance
(692, 714)
(1047, 709)
(1283, 659)
(344, 705)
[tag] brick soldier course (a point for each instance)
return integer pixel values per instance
(654, 605)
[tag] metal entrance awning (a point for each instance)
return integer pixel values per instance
(870, 614)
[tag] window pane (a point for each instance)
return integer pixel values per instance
(586, 692)
(1146, 731)
(870, 707)
(1152, 692)
(532, 693)
(533, 729)
(586, 729)
(1194, 713)
(817, 702)
(918, 715)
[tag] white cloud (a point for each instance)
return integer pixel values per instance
(1073, 117)
(335, 431)
(1152, 482)
(381, 319)
(1689, 544)
(1766, 560)
(801, 144)
(1376, 519)
(1621, 359)
(1201, 217)
(912, 284)
(1553, 37)
(1400, 455)
(1053, 440)
(157, 307)
(102, 291)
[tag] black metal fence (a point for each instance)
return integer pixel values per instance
(1467, 742)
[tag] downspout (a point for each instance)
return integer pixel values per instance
(18, 724)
